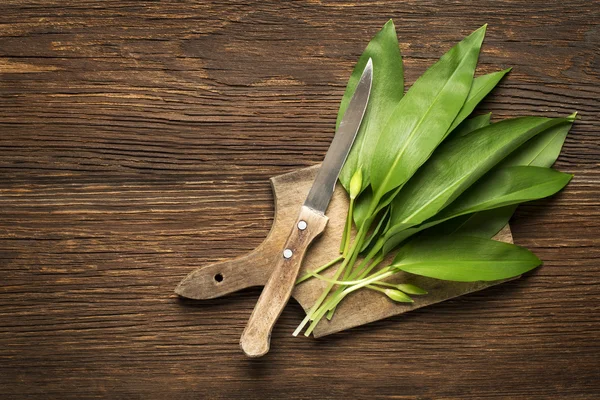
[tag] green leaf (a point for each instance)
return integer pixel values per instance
(471, 124)
(499, 188)
(422, 118)
(363, 203)
(541, 151)
(400, 230)
(506, 186)
(464, 259)
(457, 164)
(381, 226)
(361, 207)
(481, 87)
(386, 91)
(391, 241)
(485, 224)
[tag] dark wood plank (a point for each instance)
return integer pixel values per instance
(137, 139)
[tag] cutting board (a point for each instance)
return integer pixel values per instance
(360, 307)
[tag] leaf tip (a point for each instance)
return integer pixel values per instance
(478, 35)
(535, 260)
(573, 117)
(389, 25)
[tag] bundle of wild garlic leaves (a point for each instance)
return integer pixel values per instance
(429, 183)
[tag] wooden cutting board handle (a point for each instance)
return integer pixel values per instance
(255, 268)
(219, 279)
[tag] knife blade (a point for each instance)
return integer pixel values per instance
(311, 222)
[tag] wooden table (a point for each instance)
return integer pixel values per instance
(137, 139)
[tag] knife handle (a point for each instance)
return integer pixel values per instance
(276, 293)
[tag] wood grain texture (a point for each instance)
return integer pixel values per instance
(359, 308)
(137, 139)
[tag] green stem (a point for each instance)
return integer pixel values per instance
(361, 233)
(386, 284)
(332, 311)
(347, 273)
(369, 257)
(375, 263)
(368, 279)
(346, 283)
(371, 214)
(377, 231)
(345, 232)
(354, 250)
(362, 271)
(334, 301)
(375, 288)
(310, 274)
(348, 229)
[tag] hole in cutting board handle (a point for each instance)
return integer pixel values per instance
(219, 278)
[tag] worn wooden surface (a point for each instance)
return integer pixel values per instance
(136, 143)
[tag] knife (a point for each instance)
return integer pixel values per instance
(311, 222)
